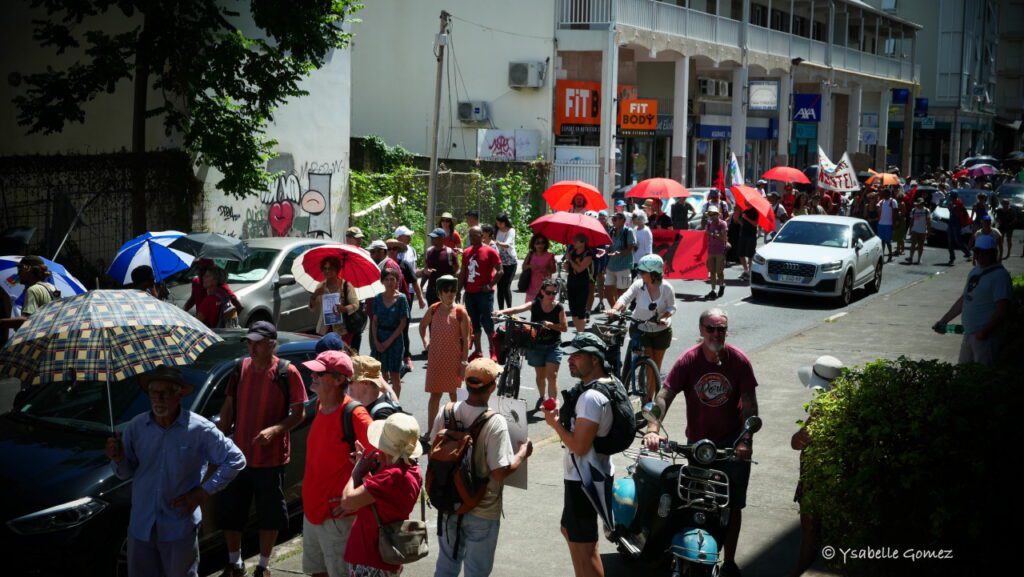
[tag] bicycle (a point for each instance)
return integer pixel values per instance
(634, 372)
(517, 338)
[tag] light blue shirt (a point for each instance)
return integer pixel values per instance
(167, 463)
(980, 300)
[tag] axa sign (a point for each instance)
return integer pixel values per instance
(807, 107)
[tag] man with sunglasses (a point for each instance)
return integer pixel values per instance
(718, 384)
(985, 304)
(325, 530)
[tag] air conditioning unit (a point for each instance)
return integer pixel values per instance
(471, 112)
(525, 74)
(724, 89)
(707, 86)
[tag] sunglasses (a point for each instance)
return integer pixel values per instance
(551, 293)
(475, 381)
(713, 329)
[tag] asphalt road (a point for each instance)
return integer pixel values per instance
(752, 324)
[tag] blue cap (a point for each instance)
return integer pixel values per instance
(620, 203)
(985, 242)
(602, 213)
(986, 217)
(438, 233)
(329, 342)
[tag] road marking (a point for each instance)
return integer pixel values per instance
(740, 303)
(835, 317)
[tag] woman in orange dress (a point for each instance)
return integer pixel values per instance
(450, 333)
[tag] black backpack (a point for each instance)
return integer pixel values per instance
(348, 430)
(623, 430)
(384, 402)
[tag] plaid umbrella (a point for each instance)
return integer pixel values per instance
(104, 336)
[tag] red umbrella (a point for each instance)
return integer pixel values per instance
(564, 226)
(747, 197)
(560, 195)
(962, 173)
(661, 188)
(356, 267)
(786, 174)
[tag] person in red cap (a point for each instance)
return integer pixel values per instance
(325, 527)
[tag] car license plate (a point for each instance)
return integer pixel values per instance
(792, 278)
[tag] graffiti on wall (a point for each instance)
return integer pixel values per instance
(297, 202)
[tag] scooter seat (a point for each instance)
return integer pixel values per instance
(651, 468)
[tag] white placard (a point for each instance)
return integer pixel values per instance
(329, 302)
(764, 95)
(514, 411)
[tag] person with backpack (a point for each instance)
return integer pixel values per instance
(447, 345)
(340, 421)
(32, 272)
(369, 388)
(594, 422)
(439, 260)
(468, 535)
(718, 383)
(265, 401)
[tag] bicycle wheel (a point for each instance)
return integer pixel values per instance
(508, 382)
(640, 374)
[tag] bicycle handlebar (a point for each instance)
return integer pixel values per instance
(516, 320)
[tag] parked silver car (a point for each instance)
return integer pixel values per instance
(265, 285)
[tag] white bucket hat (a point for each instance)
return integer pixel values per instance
(397, 436)
(821, 374)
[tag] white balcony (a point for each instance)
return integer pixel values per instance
(664, 18)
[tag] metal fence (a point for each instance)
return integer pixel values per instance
(51, 193)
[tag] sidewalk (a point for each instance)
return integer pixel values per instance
(897, 324)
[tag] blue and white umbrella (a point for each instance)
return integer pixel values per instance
(59, 277)
(150, 249)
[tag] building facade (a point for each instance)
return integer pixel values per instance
(1010, 78)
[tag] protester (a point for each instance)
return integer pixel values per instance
(888, 214)
(452, 238)
(263, 404)
(31, 274)
(658, 219)
(590, 418)
(369, 388)
(544, 354)
(717, 232)
(385, 484)
(1006, 219)
(539, 264)
(987, 230)
(718, 384)
(620, 258)
(958, 219)
(747, 240)
(682, 212)
(325, 528)
(410, 288)
(985, 305)
(899, 226)
(472, 220)
(476, 531)
(920, 224)
(144, 280)
(979, 210)
(871, 213)
(481, 271)
(789, 199)
(169, 486)
(644, 238)
(579, 281)
(348, 302)
(387, 323)
(655, 304)
(354, 236)
(801, 205)
(449, 330)
(213, 308)
(199, 291)
(440, 260)
(781, 216)
(715, 201)
(819, 377)
(506, 241)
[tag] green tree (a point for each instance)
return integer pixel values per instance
(220, 83)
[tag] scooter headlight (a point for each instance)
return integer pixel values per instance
(704, 452)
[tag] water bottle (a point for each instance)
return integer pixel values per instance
(954, 329)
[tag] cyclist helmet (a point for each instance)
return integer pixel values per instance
(591, 213)
(651, 263)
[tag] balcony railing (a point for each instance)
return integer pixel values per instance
(661, 17)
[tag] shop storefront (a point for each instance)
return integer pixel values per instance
(709, 152)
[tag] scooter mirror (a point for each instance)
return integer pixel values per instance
(753, 424)
(651, 413)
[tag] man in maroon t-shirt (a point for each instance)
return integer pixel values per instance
(438, 261)
(481, 269)
(262, 415)
(718, 384)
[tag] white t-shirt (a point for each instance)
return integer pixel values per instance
(666, 301)
(508, 255)
(644, 243)
(937, 197)
(919, 220)
(886, 206)
(595, 407)
(493, 450)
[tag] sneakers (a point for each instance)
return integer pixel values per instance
(710, 296)
(265, 572)
(233, 571)
(721, 291)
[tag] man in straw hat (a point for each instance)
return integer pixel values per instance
(369, 388)
(493, 457)
(168, 486)
(325, 529)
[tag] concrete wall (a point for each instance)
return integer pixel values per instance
(394, 71)
(312, 134)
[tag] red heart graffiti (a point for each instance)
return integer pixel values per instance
(281, 215)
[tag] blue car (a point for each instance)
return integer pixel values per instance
(63, 510)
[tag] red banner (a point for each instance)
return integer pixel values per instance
(685, 253)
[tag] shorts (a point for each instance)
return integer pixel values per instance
(739, 477)
(479, 306)
(579, 518)
(716, 264)
(620, 279)
(885, 232)
(748, 246)
(540, 355)
(659, 340)
(918, 237)
(323, 546)
(266, 485)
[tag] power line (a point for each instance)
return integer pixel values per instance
(493, 29)
(458, 78)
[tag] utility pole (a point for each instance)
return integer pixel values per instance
(442, 40)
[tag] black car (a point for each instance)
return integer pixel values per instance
(64, 512)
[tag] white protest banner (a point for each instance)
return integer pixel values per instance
(836, 177)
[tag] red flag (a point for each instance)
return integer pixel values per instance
(720, 181)
(685, 253)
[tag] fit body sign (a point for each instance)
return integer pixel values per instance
(638, 115)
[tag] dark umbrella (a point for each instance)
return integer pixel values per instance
(212, 245)
(1015, 156)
